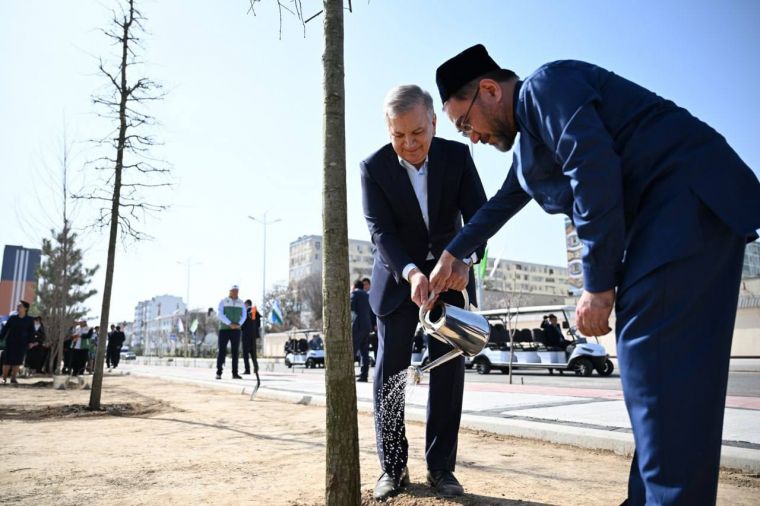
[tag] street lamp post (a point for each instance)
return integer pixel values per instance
(263, 220)
(189, 264)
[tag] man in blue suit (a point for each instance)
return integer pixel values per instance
(663, 207)
(415, 192)
(361, 326)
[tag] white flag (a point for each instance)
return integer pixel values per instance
(180, 325)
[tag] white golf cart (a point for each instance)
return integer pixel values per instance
(528, 346)
(305, 348)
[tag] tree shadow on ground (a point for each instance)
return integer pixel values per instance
(421, 494)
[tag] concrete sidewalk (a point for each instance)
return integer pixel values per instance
(583, 417)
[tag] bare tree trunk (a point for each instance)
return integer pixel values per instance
(97, 380)
(342, 486)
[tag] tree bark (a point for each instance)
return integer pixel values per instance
(342, 486)
(97, 379)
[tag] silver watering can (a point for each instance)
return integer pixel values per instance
(466, 332)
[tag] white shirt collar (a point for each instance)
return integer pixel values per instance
(409, 166)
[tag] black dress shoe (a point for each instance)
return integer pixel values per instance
(445, 483)
(387, 486)
(237, 377)
(360, 379)
(247, 372)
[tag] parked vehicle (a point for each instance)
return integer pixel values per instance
(529, 351)
(305, 348)
(127, 354)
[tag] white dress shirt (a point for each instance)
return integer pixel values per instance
(419, 180)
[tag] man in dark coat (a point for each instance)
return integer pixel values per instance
(251, 329)
(361, 326)
(17, 334)
(663, 207)
(415, 191)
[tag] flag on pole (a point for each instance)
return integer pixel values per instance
(276, 315)
(194, 325)
(483, 265)
(495, 266)
(180, 325)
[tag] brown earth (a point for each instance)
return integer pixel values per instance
(166, 443)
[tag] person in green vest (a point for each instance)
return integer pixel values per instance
(232, 315)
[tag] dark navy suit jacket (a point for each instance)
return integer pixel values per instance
(630, 168)
(395, 222)
(361, 314)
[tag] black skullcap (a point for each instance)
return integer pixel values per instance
(24, 303)
(463, 68)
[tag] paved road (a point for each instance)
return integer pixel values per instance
(743, 379)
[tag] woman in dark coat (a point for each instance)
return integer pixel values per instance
(37, 354)
(17, 332)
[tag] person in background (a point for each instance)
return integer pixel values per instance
(231, 316)
(38, 350)
(110, 345)
(80, 344)
(250, 329)
(17, 334)
(114, 346)
(361, 326)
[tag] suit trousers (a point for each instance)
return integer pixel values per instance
(361, 350)
(249, 350)
(674, 330)
(231, 336)
(444, 408)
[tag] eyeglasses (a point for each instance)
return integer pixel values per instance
(463, 123)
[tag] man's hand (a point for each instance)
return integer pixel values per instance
(234, 326)
(593, 312)
(420, 287)
(449, 273)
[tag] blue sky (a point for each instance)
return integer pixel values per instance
(243, 118)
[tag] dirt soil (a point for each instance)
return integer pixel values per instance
(166, 443)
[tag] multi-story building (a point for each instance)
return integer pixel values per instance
(306, 258)
(19, 277)
(156, 319)
(543, 284)
(526, 278)
(751, 267)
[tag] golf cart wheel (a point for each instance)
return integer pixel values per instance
(583, 367)
(607, 369)
(310, 363)
(483, 367)
(288, 364)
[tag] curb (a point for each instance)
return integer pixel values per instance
(621, 443)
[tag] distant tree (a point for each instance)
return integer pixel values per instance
(63, 288)
(310, 295)
(290, 306)
(129, 143)
(63, 280)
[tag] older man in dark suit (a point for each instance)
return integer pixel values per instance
(415, 190)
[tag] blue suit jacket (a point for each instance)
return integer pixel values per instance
(627, 166)
(395, 222)
(361, 314)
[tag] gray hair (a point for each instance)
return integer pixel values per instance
(404, 98)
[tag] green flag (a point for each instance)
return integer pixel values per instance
(483, 265)
(194, 325)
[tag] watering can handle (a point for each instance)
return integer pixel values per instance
(424, 324)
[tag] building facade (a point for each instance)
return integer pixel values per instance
(544, 283)
(156, 320)
(751, 267)
(305, 258)
(19, 277)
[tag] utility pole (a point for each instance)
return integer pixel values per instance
(263, 220)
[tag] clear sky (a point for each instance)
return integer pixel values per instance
(242, 124)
